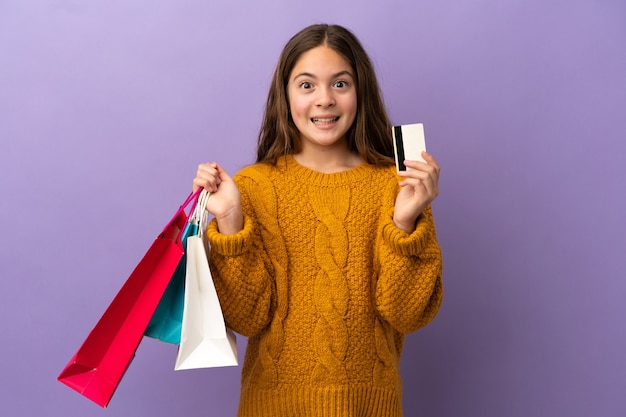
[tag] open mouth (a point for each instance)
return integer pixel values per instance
(325, 121)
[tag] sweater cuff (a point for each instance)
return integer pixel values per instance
(402, 242)
(230, 245)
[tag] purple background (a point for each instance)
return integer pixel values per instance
(107, 107)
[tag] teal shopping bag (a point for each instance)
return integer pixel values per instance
(166, 322)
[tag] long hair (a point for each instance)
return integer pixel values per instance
(370, 134)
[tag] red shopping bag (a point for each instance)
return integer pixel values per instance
(101, 361)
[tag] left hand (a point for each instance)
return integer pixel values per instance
(420, 186)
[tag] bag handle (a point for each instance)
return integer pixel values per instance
(200, 213)
(193, 196)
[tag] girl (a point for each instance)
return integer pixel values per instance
(321, 255)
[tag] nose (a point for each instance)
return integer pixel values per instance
(325, 97)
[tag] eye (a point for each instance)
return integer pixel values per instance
(306, 85)
(341, 84)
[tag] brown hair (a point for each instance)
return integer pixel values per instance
(370, 134)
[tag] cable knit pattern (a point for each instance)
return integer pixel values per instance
(271, 345)
(325, 287)
(331, 290)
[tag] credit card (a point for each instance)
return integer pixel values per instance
(408, 144)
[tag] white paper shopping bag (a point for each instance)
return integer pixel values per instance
(205, 340)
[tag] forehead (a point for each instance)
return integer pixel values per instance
(320, 61)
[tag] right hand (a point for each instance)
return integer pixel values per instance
(225, 200)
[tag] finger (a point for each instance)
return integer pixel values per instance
(421, 165)
(221, 173)
(416, 186)
(431, 160)
(209, 168)
(424, 185)
(207, 177)
(201, 183)
(418, 169)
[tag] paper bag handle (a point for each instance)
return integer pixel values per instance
(193, 196)
(199, 213)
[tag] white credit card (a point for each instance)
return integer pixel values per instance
(408, 144)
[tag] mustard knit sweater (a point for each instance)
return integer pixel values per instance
(325, 287)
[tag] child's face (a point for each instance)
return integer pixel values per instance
(322, 97)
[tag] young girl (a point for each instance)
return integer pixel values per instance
(320, 253)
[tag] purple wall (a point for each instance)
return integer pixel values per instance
(106, 108)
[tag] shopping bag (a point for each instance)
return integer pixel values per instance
(167, 320)
(98, 366)
(205, 341)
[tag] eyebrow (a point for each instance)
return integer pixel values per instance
(337, 75)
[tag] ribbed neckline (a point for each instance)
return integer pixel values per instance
(309, 176)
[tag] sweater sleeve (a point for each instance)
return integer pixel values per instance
(409, 289)
(242, 274)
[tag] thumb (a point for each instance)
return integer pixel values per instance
(221, 172)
